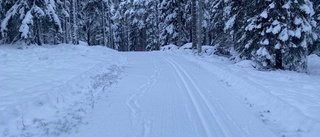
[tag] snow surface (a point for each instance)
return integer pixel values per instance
(45, 90)
(287, 102)
(186, 46)
(169, 47)
(264, 14)
(209, 50)
(166, 95)
(70, 91)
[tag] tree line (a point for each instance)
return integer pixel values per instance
(274, 33)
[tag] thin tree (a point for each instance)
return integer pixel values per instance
(199, 26)
(194, 24)
(75, 39)
(103, 23)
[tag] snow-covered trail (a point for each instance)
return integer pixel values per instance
(163, 95)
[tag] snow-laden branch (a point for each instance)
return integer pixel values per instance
(24, 28)
(11, 12)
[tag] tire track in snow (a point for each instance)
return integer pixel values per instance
(133, 101)
(196, 101)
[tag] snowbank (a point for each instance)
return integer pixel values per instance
(209, 50)
(187, 49)
(170, 47)
(42, 87)
(314, 64)
(186, 46)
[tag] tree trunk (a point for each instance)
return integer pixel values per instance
(157, 27)
(194, 24)
(88, 34)
(55, 41)
(66, 30)
(179, 43)
(128, 35)
(38, 31)
(103, 25)
(75, 25)
(111, 43)
(199, 27)
(279, 59)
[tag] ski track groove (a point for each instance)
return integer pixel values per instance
(186, 78)
(133, 102)
(215, 107)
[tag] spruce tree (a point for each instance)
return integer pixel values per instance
(282, 30)
(220, 26)
(171, 16)
(120, 26)
(152, 26)
(91, 21)
(138, 33)
(29, 21)
(234, 26)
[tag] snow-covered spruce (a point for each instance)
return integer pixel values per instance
(24, 18)
(280, 35)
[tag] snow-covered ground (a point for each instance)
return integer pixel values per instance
(46, 90)
(70, 91)
(288, 102)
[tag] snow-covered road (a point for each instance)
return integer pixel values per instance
(164, 95)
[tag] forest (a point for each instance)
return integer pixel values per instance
(277, 34)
